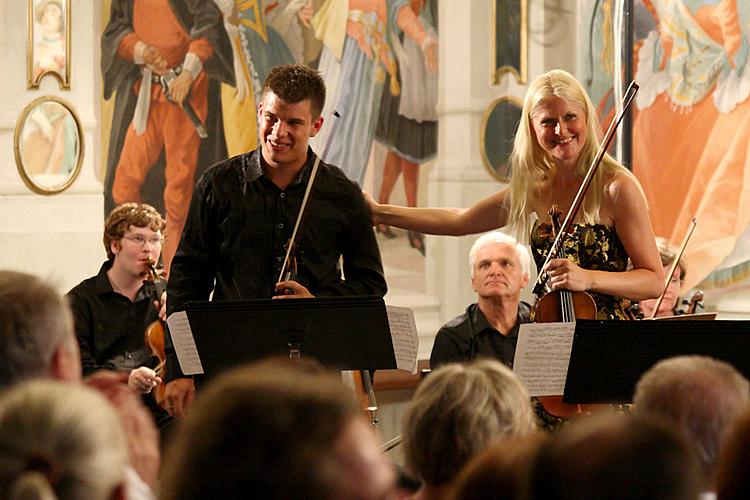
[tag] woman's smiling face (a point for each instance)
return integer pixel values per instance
(560, 128)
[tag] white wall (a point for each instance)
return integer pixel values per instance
(57, 236)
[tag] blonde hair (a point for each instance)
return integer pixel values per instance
(533, 168)
(59, 440)
(460, 410)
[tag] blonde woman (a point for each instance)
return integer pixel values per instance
(556, 140)
(60, 440)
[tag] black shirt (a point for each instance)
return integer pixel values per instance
(470, 336)
(110, 328)
(239, 221)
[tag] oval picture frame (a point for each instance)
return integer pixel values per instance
(499, 124)
(48, 145)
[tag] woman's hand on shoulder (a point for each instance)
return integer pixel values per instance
(373, 205)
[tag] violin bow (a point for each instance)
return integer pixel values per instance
(673, 267)
(305, 198)
(630, 93)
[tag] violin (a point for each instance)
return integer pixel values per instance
(563, 306)
(154, 335)
(692, 304)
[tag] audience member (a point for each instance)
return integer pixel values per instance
(732, 479)
(60, 441)
(276, 429)
(37, 341)
(499, 473)
(36, 332)
(701, 396)
(615, 457)
(458, 411)
(499, 269)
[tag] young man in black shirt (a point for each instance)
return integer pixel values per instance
(244, 209)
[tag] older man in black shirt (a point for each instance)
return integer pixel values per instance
(244, 209)
(489, 327)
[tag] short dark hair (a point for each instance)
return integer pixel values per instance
(295, 83)
(266, 428)
(35, 320)
(122, 217)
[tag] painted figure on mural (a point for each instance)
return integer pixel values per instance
(692, 125)
(183, 41)
(355, 58)
(49, 33)
(256, 48)
(407, 124)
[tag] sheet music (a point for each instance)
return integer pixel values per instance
(184, 344)
(404, 337)
(542, 357)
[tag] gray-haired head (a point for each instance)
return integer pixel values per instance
(499, 237)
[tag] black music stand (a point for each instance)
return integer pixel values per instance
(608, 357)
(346, 333)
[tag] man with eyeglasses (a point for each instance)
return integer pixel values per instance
(113, 309)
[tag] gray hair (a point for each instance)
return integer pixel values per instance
(499, 237)
(35, 321)
(59, 440)
(702, 395)
(458, 411)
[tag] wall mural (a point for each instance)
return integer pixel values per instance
(48, 48)
(378, 58)
(691, 123)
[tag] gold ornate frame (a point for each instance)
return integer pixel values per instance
(521, 73)
(27, 179)
(63, 80)
(492, 169)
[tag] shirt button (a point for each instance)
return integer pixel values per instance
(283, 195)
(280, 225)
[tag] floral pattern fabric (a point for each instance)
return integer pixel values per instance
(592, 246)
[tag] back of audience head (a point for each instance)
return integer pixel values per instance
(458, 411)
(615, 457)
(499, 472)
(280, 430)
(499, 237)
(36, 331)
(701, 395)
(732, 479)
(60, 440)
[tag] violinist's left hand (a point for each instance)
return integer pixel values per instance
(567, 275)
(283, 289)
(161, 306)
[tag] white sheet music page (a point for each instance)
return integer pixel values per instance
(542, 357)
(404, 337)
(184, 343)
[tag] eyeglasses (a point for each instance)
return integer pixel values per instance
(140, 240)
